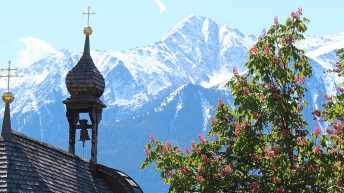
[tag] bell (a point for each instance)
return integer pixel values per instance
(84, 136)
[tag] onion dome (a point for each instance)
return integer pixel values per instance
(85, 79)
(7, 97)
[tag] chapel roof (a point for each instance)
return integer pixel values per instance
(29, 165)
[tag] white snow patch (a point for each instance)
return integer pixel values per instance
(206, 108)
(205, 29)
(168, 99)
(217, 78)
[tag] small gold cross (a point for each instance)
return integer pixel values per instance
(9, 75)
(88, 13)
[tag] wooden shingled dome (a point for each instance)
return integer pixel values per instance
(85, 79)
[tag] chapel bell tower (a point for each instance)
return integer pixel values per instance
(86, 85)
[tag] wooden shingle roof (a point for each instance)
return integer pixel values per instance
(28, 165)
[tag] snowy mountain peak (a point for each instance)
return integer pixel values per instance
(199, 26)
(191, 25)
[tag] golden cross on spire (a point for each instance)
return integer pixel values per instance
(9, 75)
(88, 13)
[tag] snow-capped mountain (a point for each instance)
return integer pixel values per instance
(167, 89)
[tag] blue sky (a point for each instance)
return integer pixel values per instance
(33, 29)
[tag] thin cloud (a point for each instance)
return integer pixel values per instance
(34, 50)
(162, 5)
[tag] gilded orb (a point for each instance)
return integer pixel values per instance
(88, 31)
(7, 97)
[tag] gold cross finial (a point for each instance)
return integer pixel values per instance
(9, 75)
(88, 13)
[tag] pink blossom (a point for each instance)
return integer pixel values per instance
(187, 151)
(201, 139)
(311, 168)
(199, 179)
(247, 91)
(342, 142)
(305, 139)
(151, 139)
(279, 190)
(316, 131)
(220, 101)
(216, 137)
(255, 186)
(246, 124)
(327, 98)
(267, 51)
(235, 70)
(193, 145)
(338, 126)
(221, 172)
(261, 97)
(255, 157)
(170, 173)
(283, 65)
(299, 140)
(271, 86)
(255, 115)
(335, 149)
(279, 53)
(276, 180)
(317, 113)
(177, 150)
(299, 79)
(228, 169)
(147, 151)
(274, 60)
(276, 21)
(340, 89)
(296, 14)
(303, 60)
(317, 150)
(299, 11)
(168, 143)
(205, 158)
(186, 192)
(237, 131)
(329, 131)
(254, 50)
(276, 148)
(213, 120)
(183, 170)
(269, 153)
(164, 149)
(237, 128)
